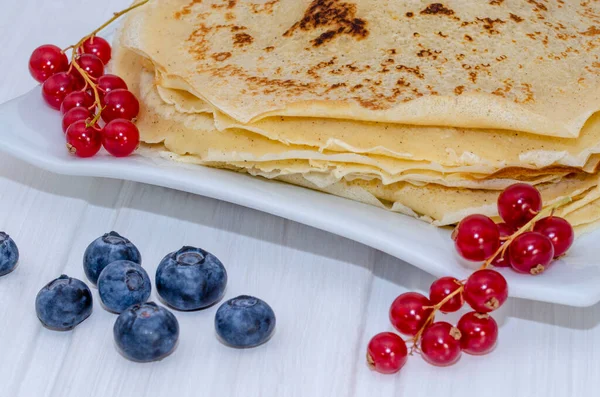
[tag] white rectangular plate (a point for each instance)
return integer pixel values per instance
(31, 131)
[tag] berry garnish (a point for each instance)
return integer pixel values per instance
(76, 99)
(105, 250)
(110, 82)
(122, 284)
(120, 104)
(244, 322)
(63, 303)
(56, 88)
(476, 238)
(531, 253)
(9, 254)
(47, 60)
(73, 115)
(191, 279)
(409, 312)
(83, 141)
(91, 65)
(84, 75)
(503, 259)
(146, 332)
(485, 290)
(96, 46)
(387, 353)
(479, 333)
(120, 137)
(440, 344)
(559, 231)
(443, 287)
(519, 203)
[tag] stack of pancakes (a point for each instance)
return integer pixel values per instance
(427, 109)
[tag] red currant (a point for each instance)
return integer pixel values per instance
(519, 203)
(110, 82)
(440, 344)
(56, 88)
(443, 287)
(83, 141)
(503, 259)
(479, 333)
(73, 115)
(47, 60)
(91, 64)
(96, 46)
(559, 231)
(476, 238)
(485, 290)
(387, 353)
(120, 104)
(120, 137)
(409, 313)
(77, 99)
(531, 253)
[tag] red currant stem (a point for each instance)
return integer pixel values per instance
(88, 80)
(415, 339)
(86, 77)
(93, 121)
(115, 16)
(525, 228)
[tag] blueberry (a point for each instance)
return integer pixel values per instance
(190, 279)
(9, 254)
(122, 284)
(106, 249)
(63, 303)
(245, 321)
(146, 332)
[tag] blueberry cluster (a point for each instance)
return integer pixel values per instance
(187, 279)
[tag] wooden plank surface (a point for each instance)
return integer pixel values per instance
(330, 294)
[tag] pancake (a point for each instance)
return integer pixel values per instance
(420, 63)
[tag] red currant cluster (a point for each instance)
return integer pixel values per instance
(525, 241)
(98, 109)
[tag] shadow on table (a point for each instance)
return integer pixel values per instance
(187, 207)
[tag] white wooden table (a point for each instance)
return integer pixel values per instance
(330, 294)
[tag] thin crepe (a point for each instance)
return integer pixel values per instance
(457, 64)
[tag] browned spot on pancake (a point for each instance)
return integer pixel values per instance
(410, 14)
(312, 71)
(489, 24)
(442, 35)
(526, 89)
(473, 77)
(236, 28)
(403, 83)
(516, 18)
(437, 9)
(459, 89)
(221, 56)
(496, 2)
(416, 70)
(538, 6)
(338, 17)
(460, 57)
(229, 16)
(391, 51)
(185, 10)
(468, 38)
(501, 58)
(242, 39)
(269, 48)
(592, 31)
(505, 89)
(266, 7)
